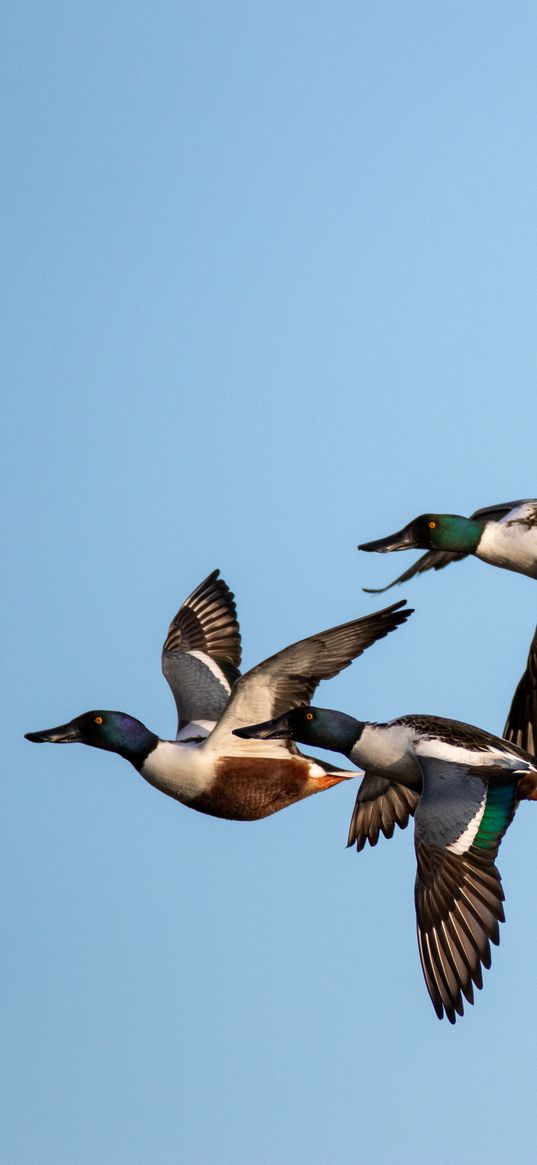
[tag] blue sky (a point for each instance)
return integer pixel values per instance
(270, 290)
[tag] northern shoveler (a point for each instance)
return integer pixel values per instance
(463, 785)
(503, 535)
(206, 767)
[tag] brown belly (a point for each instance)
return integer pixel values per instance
(246, 789)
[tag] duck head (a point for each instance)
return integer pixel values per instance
(432, 532)
(113, 731)
(320, 727)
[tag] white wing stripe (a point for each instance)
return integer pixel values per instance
(212, 667)
(463, 843)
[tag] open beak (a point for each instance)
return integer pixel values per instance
(403, 540)
(63, 734)
(278, 729)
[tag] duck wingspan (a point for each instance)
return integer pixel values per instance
(521, 723)
(289, 678)
(461, 818)
(202, 652)
(432, 560)
(380, 806)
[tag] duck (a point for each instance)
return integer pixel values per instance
(467, 784)
(382, 804)
(503, 535)
(206, 767)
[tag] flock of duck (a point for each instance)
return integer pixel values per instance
(235, 754)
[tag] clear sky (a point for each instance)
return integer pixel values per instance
(270, 290)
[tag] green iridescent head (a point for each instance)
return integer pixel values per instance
(433, 532)
(113, 731)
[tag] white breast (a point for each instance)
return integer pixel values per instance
(512, 542)
(386, 747)
(181, 770)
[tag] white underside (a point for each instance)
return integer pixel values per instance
(511, 543)
(182, 770)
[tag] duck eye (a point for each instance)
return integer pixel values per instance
(309, 715)
(98, 720)
(432, 525)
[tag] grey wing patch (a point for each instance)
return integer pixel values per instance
(380, 806)
(200, 688)
(466, 808)
(521, 723)
(432, 560)
(459, 907)
(202, 651)
(289, 678)
(452, 798)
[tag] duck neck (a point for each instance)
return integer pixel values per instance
(137, 751)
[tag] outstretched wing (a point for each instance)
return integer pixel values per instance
(521, 723)
(380, 806)
(432, 560)
(289, 678)
(202, 652)
(461, 818)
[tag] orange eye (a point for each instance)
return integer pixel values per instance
(432, 525)
(309, 715)
(98, 719)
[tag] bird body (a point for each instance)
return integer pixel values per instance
(240, 788)
(206, 767)
(465, 784)
(396, 747)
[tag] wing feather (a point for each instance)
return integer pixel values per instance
(432, 560)
(380, 806)
(521, 724)
(461, 818)
(289, 678)
(458, 909)
(500, 510)
(202, 651)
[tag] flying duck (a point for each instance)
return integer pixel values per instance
(206, 767)
(382, 804)
(503, 535)
(466, 784)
